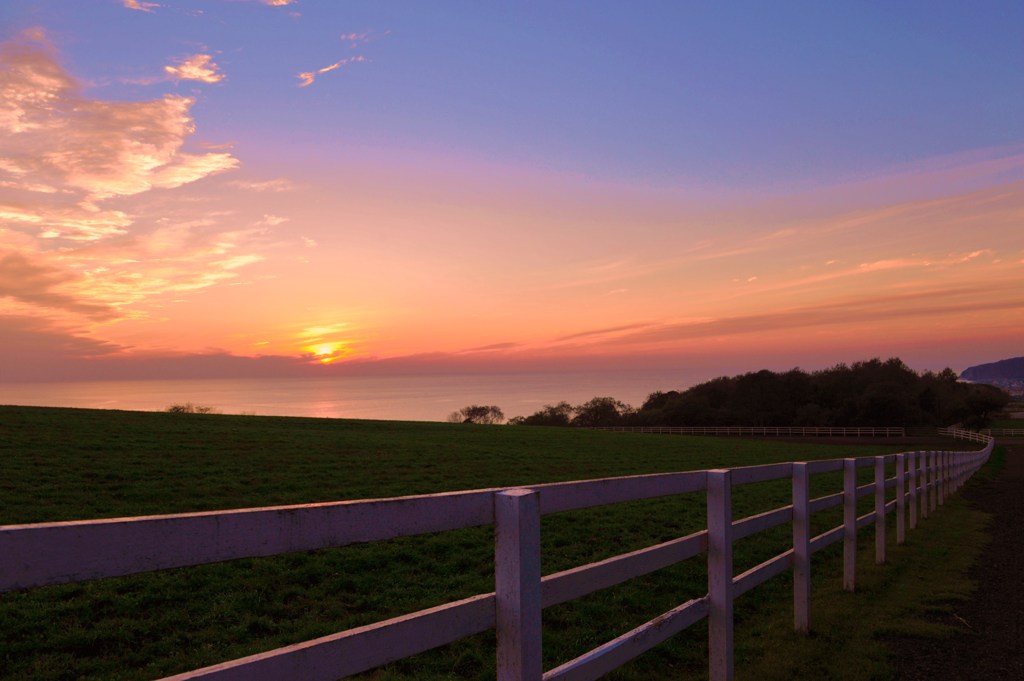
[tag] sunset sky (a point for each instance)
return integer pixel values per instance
(262, 188)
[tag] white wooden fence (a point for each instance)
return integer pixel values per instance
(54, 553)
(962, 434)
(791, 431)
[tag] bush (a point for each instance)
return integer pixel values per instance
(477, 414)
(600, 411)
(189, 408)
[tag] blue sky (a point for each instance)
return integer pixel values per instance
(740, 94)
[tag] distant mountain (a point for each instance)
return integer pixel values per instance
(1006, 373)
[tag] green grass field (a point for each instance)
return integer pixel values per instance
(61, 464)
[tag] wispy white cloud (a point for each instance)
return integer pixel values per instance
(199, 67)
(307, 77)
(172, 259)
(277, 185)
(974, 254)
(355, 39)
(751, 245)
(913, 268)
(216, 146)
(312, 333)
(933, 302)
(29, 187)
(604, 333)
(494, 347)
(69, 221)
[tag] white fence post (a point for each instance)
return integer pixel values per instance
(951, 483)
(517, 585)
(922, 479)
(912, 472)
(933, 494)
(943, 459)
(880, 509)
(932, 487)
(720, 588)
(801, 548)
(931, 482)
(901, 500)
(849, 524)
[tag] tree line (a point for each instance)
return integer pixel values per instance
(868, 393)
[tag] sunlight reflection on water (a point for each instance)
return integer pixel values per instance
(412, 398)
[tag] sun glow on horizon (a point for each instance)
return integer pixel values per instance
(325, 353)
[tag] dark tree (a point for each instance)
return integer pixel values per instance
(551, 415)
(601, 412)
(868, 393)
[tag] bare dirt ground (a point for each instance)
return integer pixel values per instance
(990, 645)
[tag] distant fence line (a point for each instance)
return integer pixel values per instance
(54, 553)
(790, 431)
(1004, 432)
(963, 434)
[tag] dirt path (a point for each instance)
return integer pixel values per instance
(992, 645)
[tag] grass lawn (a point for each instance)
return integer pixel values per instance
(63, 464)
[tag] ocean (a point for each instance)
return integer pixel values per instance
(404, 398)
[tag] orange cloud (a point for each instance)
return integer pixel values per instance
(197, 67)
(307, 77)
(176, 258)
(139, 5)
(43, 346)
(27, 281)
(64, 220)
(73, 250)
(104, 149)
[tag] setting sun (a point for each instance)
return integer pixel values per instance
(325, 353)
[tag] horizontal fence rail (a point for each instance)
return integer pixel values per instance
(42, 554)
(767, 431)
